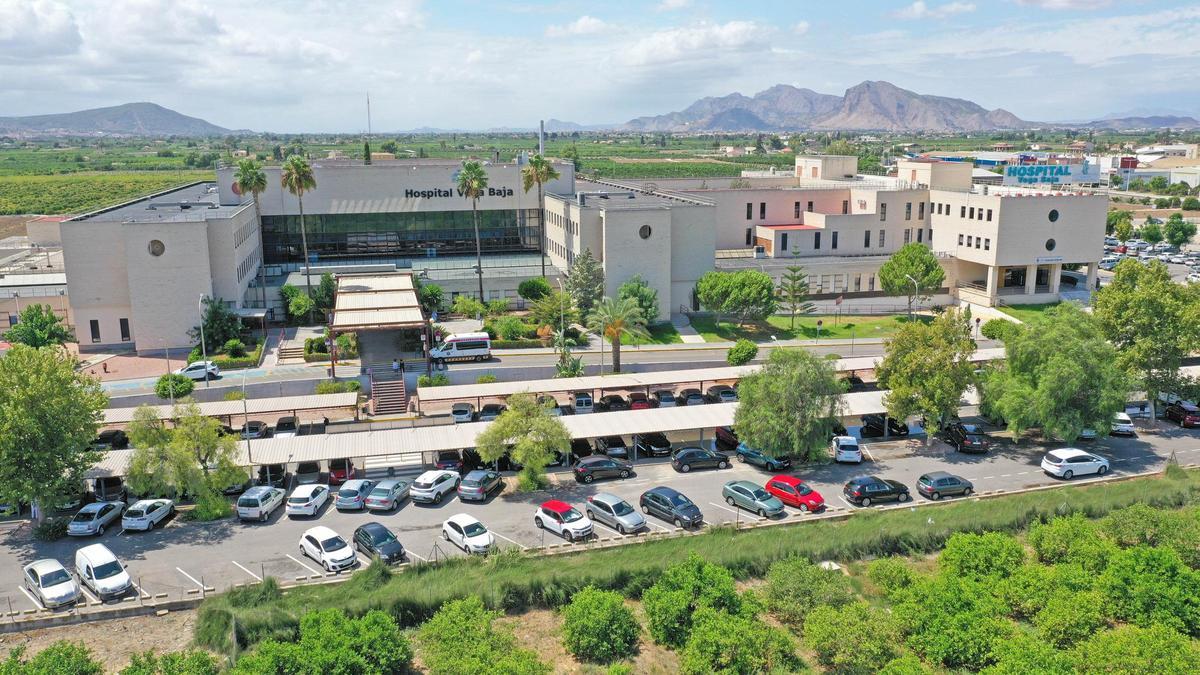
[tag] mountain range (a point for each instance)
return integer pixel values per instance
(129, 119)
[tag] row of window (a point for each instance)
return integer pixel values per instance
(243, 233)
(762, 209)
(570, 226)
(562, 252)
(839, 283)
(833, 239)
(985, 241)
(920, 235)
(248, 264)
(964, 211)
(94, 327)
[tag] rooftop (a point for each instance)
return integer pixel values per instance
(196, 202)
(613, 194)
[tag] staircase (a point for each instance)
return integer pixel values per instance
(388, 396)
(291, 352)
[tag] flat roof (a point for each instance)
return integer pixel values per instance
(196, 202)
(791, 226)
(376, 301)
(254, 406)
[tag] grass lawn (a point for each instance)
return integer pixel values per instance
(660, 334)
(806, 327)
(1026, 312)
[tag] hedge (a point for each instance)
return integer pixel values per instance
(517, 344)
(250, 360)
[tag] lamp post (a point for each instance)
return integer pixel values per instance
(246, 418)
(203, 344)
(916, 292)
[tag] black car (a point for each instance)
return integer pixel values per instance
(692, 457)
(449, 460)
(580, 448)
(853, 383)
(672, 506)
(938, 484)
(652, 445)
(598, 466)
(611, 403)
(965, 437)
(613, 446)
(838, 428)
(379, 542)
(867, 490)
(111, 439)
(109, 489)
(872, 427)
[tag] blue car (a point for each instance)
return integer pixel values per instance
(749, 455)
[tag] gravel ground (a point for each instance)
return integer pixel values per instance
(114, 642)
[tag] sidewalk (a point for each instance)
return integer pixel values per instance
(594, 346)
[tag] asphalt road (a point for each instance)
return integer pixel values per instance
(181, 556)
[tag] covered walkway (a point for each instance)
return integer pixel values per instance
(229, 409)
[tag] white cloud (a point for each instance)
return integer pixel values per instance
(35, 30)
(1066, 4)
(672, 5)
(801, 28)
(922, 10)
(584, 25)
(701, 41)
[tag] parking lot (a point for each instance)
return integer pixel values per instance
(179, 559)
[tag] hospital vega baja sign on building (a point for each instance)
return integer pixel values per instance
(1051, 174)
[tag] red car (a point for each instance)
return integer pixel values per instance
(639, 401)
(340, 471)
(1186, 414)
(793, 492)
(727, 437)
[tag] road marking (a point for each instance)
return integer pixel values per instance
(293, 559)
(145, 595)
(421, 558)
(36, 604)
(246, 570)
(597, 524)
(847, 503)
(91, 597)
(194, 581)
(736, 512)
(523, 546)
(664, 529)
(867, 453)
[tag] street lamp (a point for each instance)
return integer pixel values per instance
(203, 344)
(246, 418)
(916, 292)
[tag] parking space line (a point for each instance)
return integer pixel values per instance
(607, 528)
(85, 591)
(867, 452)
(523, 546)
(293, 559)
(36, 604)
(664, 529)
(847, 503)
(739, 513)
(418, 557)
(145, 595)
(193, 579)
(239, 565)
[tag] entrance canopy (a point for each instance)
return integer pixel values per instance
(376, 301)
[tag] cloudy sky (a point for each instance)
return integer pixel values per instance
(307, 65)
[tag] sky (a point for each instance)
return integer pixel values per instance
(308, 65)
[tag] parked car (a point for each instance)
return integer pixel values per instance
(308, 473)
(550, 404)
(1186, 414)
(664, 398)
(200, 370)
(238, 487)
(111, 439)
(449, 460)
(938, 484)
(794, 492)
(276, 475)
(867, 490)
(328, 548)
(387, 494)
(377, 541)
(872, 426)
(146, 513)
(462, 412)
(340, 471)
(490, 411)
(352, 495)
(51, 583)
(286, 427)
(582, 403)
(720, 393)
(562, 519)
(672, 506)
(639, 401)
(254, 429)
(611, 510)
(727, 437)
(612, 403)
(258, 503)
(589, 469)
(690, 397)
(853, 383)
(694, 457)
(613, 446)
(109, 489)
(98, 569)
(433, 486)
(463, 347)
(467, 533)
(652, 445)
(93, 518)
(478, 484)
(580, 448)
(846, 449)
(1122, 425)
(307, 500)
(965, 437)
(746, 495)
(1067, 463)
(748, 455)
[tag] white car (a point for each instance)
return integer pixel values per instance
(50, 583)
(93, 518)
(467, 533)
(846, 449)
(307, 500)
(99, 570)
(1194, 277)
(1067, 463)
(328, 548)
(563, 519)
(200, 370)
(462, 412)
(433, 486)
(1123, 424)
(146, 513)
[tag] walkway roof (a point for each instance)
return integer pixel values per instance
(376, 301)
(252, 406)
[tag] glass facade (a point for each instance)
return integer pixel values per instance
(413, 234)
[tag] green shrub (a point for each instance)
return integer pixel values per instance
(890, 574)
(234, 347)
(534, 289)
(1133, 650)
(510, 328)
(980, 556)
(529, 480)
(597, 626)
(57, 659)
(234, 395)
(905, 665)
(1070, 618)
(347, 345)
(1024, 654)
(1148, 586)
(467, 306)
(683, 590)
(209, 507)
(517, 344)
(953, 621)
(338, 387)
(438, 380)
(174, 386)
(742, 352)
(51, 529)
(462, 640)
(190, 662)
(1073, 539)
(1142, 524)
(732, 644)
(331, 642)
(796, 585)
(827, 632)
(496, 307)
(1027, 590)
(999, 329)
(486, 378)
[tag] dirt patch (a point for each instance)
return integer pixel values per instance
(540, 630)
(113, 643)
(13, 226)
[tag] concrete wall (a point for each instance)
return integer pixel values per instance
(165, 290)
(94, 258)
(944, 175)
(44, 232)
(1025, 229)
(235, 252)
(626, 254)
(826, 166)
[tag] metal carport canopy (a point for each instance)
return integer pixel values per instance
(252, 406)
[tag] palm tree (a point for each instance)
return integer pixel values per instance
(472, 183)
(251, 178)
(613, 318)
(538, 172)
(297, 177)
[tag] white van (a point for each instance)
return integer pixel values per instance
(582, 402)
(98, 569)
(463, 346)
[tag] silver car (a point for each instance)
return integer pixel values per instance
(146, 513)
(387, 495)
(611, 510)
(50, 582)
(352, 495)
(93, 518)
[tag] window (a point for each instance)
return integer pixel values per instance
(907, 235)
(762, 211)
(796, 212)
(1053, 216)
(783, 242)
(987, 244)
(816, 241)
(749, 212)
(920, 234)
(857, 282)
(95, 326)
(871, 283)
(978, 241)
(969, 238)
(845, 206)
(961, 214)
(989, 215)
(971, 213)
(908, 210)
(960, 238)
(867, 239)
(881, 237)
(921, 211)
(883, 212)
(833, 241)
(810, 207)
(979, 214)
(124, 330)
(749, 236)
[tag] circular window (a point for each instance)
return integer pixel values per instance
(157, 247)
(1053, 215)
(644, 232)
(1050, 244)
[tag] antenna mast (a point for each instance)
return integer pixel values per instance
(368, 113)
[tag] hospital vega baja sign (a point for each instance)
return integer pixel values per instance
(1051, 174)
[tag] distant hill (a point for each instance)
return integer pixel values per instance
(129, 119)
(1146, 122)
(868, 106)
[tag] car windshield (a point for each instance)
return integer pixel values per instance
(622, 508)
(760, 494)
(680, 500)
(333, 544)
(285, 425)
(248, 501)
(134, 513)
(381, 537)
(84, 517)
(57, 576)
(109, 569)
(337, 464)
(571, 516)
(309, 467)
(381, 491)
(474, 529)
(804, 489)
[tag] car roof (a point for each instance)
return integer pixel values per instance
(606, 497)
(865, 479)
(306, 489)
(557, 505)
(146, 502)
(742, 483)
(1122, 416)
(355, 482)
(594, 459)
(320, 532)
(664, 491)
(462, 406)
(934, 475)
(1186, 406)
(44, 565)
(96, 553)
(372, 527)
(388, 482)
(94, 506)
(462, 519)
(1068, 452)
(433, 473)
(477, 473)
(786, 480)
(258, 490)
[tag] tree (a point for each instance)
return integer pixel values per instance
(1159, 183)
(59, 658)
(1190, 204)
(953, 621)
(191, 662)
(1152, 232)
(614, 319)
(462, 639)
(49, 414)
(389, 147)
(793, 293)
(742, 352)
(432, 298)
(788, 408)
(1123, 230)
(1058, 375)
(1152, 321)
(39, 326)
(992, 555)
(1178, 231)
(1116, 216)
(840, 148)
(1072, 540)
(250, 178)
(796, 585)
(367, 152)
(1133, 650)
(297, 177)
(747, 294)
(726, 644)
(913, 262)
(534, 289)
(332, 642)
(585, 282)
(556, 310)
(683, 589)
(643, 294)
(1150, 586)
(472, 182)
(323, 296)
(173, 386)
(539, 171)
(1026, 653)
(467, 306)
(1070, 618)
(597, 626)
(927, 367)
(530, 433)
(875, 637)
(220, 325)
